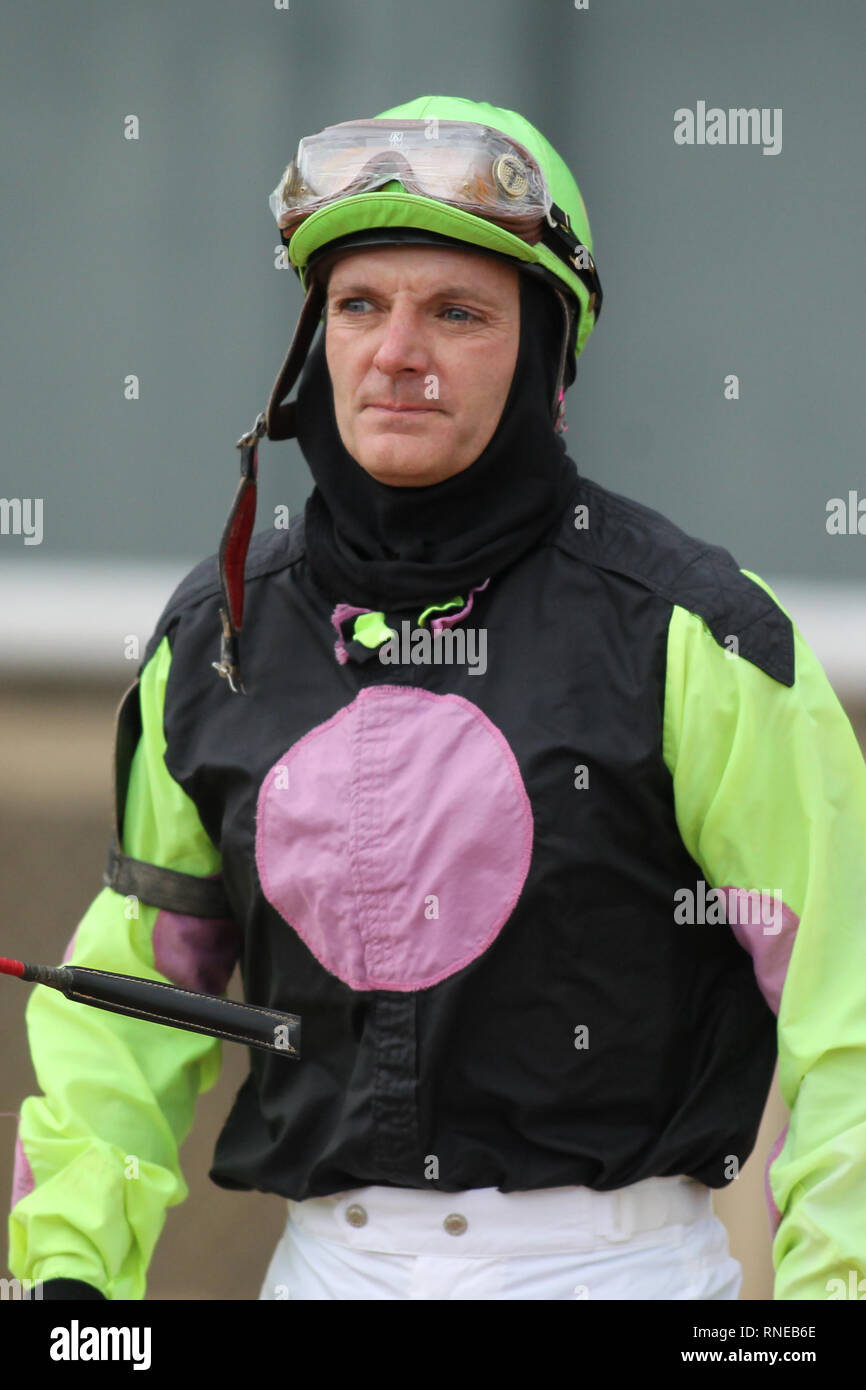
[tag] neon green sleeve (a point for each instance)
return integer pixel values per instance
(100, 1146)
(770, 792)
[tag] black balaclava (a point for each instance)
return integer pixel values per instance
(371, 544)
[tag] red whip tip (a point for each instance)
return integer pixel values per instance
(11, 967)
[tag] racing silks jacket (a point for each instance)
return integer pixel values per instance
(546, 922)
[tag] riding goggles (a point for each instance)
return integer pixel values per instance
(468, 166)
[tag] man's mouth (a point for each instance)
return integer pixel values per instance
(402, 409)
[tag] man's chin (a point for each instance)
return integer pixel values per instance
(405, 468)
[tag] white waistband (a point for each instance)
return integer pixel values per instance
(485, 1221)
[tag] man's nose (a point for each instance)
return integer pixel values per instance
(402, 345)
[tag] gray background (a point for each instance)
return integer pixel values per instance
(156, 256)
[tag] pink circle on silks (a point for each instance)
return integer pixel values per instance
(396, 837)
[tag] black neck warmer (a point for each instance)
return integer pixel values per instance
(374, 545)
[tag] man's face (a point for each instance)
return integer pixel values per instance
(421, 344)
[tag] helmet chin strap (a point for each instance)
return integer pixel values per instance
(558, 405)
(278, 422)
(280, 413)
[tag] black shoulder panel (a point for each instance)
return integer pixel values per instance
(269, 551)
(631, 539)
(168, 888)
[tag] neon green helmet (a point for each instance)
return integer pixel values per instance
(393, 206)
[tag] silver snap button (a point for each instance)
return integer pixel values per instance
(356, 1215)
(455, 1224)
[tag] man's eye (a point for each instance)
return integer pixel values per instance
(355, 306)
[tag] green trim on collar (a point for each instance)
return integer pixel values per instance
(457, 602)
(371, 630)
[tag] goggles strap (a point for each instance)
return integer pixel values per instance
(557, 234)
